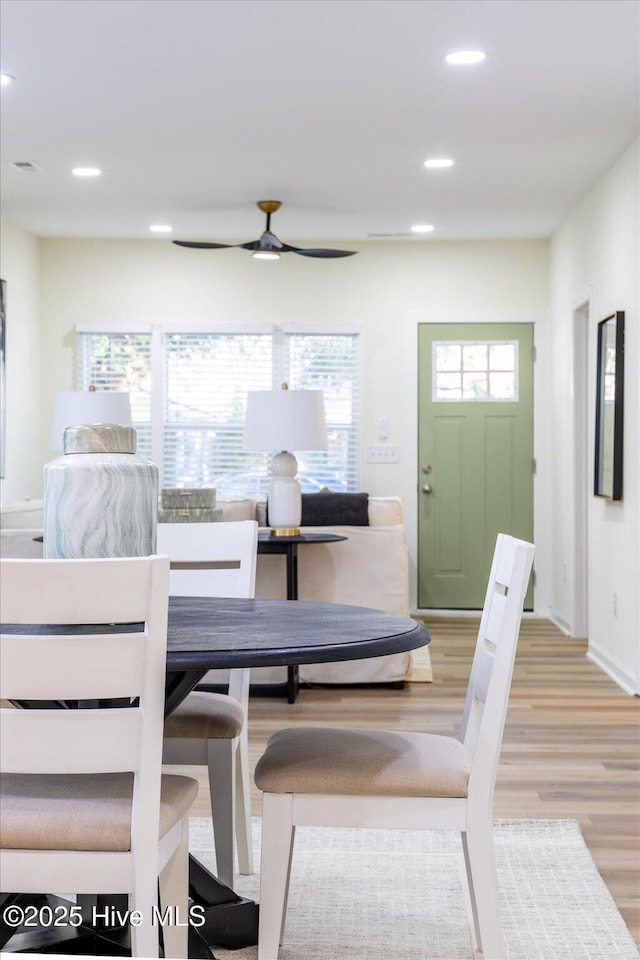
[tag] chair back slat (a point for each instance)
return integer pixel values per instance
(99, 666)
(65, 592)
(497, 607)
(70, 741)
(483, 678)
(506, 559)
(57, 594)
(492, 669)
(211, 559)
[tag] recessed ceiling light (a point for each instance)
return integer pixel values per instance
(436, 163)
(422, 228)
(6, 79)
(465, 56)
(160, 228)
(86, 172)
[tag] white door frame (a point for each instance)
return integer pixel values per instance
(542, 409)
(582, 470)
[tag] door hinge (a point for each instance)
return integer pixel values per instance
(534, 465)
(533, 577)
(535, 354)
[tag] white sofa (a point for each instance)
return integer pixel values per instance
(370, 569)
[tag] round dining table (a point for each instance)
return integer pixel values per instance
(207, 633)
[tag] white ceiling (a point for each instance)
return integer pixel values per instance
(195, 109)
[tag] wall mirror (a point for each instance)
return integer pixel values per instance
(609, 407)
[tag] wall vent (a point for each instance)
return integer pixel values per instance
(26, 166)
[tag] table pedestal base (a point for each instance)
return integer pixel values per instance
(230, 921)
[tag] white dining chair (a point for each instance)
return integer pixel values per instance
(373, 778)
(210, 729)
(84, 806)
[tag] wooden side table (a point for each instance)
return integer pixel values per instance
(288, 547)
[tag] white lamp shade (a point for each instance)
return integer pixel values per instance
(74, 407)
(285, 420)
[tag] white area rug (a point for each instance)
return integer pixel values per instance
(397, 895)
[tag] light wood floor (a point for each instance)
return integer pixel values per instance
(571, 747)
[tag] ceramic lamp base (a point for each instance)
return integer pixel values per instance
(284, 497)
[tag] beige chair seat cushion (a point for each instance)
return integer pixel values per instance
(205, 716)
(81, 811)
(363, 763)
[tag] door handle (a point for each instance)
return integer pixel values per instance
(426, 488)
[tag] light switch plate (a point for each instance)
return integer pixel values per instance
(383, 453)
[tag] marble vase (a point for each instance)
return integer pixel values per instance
(100, 498)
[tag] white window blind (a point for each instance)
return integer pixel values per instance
(329, 362)
(206, 381)
(119, 361)
(188, 392)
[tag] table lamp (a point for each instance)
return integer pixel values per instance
(284, 420)
(74, 407)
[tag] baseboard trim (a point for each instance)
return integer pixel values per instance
(619, 675)
(471, 614)
(560, 623)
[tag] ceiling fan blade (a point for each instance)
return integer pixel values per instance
(198, 245)
(268, 243)
(323, 253)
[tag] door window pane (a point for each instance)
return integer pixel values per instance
(474, 356)
(502, 356)
(447, 356)
(475, 386)
(468, 371)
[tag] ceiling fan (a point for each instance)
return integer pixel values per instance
(267, 247)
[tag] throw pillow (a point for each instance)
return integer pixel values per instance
(333, 509)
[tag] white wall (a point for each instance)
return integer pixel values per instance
(19, 267)
(383, 289)
(596, 256)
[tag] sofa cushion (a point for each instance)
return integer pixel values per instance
(22, 515)
(386, 511)
(236, 508)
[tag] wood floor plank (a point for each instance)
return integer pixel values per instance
(571, 746)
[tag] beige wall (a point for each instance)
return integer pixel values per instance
(151, 281)
(384, 290)
(595, 258)
(19, 266)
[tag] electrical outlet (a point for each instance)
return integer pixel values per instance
(383, 453)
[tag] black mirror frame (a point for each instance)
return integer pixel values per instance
(614, 444)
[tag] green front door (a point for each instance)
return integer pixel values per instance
(475, 449)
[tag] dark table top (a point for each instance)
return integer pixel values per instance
(207, 633)
(267, 540)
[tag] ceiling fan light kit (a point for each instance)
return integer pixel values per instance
(268, 246)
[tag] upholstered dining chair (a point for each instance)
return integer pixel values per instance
(84, 805)
(374, 778)
(210, 729)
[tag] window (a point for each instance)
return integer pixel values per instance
(119, 361)
(188, 395)
(467, 371)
